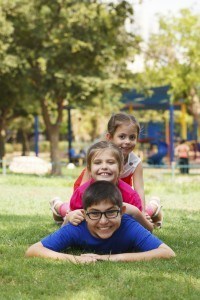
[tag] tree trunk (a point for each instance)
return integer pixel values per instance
(25, 143)
(54, 149)
(53, 133)
(2, 141)
(2, 148)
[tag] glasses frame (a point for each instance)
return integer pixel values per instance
(101, 213)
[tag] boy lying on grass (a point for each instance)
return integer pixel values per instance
(107, 231)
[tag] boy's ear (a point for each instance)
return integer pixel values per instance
(123, 209)
(108, 136)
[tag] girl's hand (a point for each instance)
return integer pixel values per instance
(148, 217)
(75, 217)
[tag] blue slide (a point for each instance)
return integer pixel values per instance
(156, 159)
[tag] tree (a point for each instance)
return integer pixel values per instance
(71, 52)
(12, 77)
(173, 57)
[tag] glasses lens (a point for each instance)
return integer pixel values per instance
(94, 215)
(111, 214)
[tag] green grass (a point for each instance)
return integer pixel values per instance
(26, 218)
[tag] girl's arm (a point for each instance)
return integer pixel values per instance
(163, 251)
(38, 250)
(138, 183)
(134, 212)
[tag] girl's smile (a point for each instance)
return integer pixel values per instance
(125, 137)
(104, 166)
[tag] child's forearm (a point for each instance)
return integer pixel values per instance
(144, 222)
(162, 252)
(38, 250)
(74, 217)
(138, 216)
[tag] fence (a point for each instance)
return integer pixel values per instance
(173, 169)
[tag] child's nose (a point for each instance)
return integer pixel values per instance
(103, 220)
(104, 165)
(127, 140)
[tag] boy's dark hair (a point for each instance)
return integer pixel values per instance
(102, 190)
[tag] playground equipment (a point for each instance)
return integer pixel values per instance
(162, 150)
(160, 100)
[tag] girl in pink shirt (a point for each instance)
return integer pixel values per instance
(104, 162)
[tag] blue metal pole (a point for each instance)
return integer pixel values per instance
(69, 132)
(171, 133)
(36, 135)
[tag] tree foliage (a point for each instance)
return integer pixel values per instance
(173, 57)
(69, 52)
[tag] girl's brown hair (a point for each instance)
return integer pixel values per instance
(120, 118)
(100, 147)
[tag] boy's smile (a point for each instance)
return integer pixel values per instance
(103, 228)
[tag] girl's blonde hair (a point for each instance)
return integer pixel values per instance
(120, 118)
(102, 146)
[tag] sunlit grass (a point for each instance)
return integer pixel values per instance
(26, 218)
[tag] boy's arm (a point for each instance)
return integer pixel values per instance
(134, 212)
(163, 251)
(38, 250)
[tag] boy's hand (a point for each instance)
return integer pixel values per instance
(84, 259)
(75, 217)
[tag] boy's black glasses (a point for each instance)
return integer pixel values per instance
(109, 214)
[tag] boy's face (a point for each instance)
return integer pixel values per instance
(104, 227)
(105, 166)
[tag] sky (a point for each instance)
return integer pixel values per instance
(145, 13)
(146, 18)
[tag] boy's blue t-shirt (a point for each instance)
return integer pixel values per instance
(129, 237)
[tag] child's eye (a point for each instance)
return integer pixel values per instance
(122, 137)
(96, 162)
(111, 162)
(132, 137)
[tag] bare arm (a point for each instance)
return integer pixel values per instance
(38, 250)
(163, 251)
(138, 183)
(75, 217)
(138, 216)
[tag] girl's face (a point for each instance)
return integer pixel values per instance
(125, 137)
(104, 166)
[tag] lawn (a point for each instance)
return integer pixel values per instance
(26, 218)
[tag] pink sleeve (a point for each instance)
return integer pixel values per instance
(136, 200)
(129, 195)
(76, 200)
